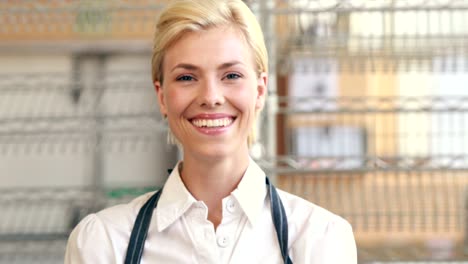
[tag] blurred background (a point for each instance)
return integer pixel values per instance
(367, 116)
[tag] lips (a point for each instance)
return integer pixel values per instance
(221, 122)
(212, 120)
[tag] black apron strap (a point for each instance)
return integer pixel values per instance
(143, 221)
(280, 221)
(140, 230)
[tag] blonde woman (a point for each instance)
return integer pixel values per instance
(217, 206)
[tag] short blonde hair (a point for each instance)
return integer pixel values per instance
(182, 16)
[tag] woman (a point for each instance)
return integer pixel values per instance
(217, 206)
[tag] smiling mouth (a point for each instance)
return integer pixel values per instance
(213, 123)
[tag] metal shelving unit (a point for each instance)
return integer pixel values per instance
(48, 119)
(392, 164)
(396, 168)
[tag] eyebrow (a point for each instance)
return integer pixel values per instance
(188, 66)
(229, 64)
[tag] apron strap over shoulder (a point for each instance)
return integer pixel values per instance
(143, 221)
(140, 230)
(280, 220)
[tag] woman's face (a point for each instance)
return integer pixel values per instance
(211, 92)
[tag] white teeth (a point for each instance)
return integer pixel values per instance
(222, 122)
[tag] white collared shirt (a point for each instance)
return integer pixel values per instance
(181, 233)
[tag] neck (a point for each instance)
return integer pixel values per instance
(211, 180)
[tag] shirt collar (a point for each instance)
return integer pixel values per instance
(175, 199)
(251, 192)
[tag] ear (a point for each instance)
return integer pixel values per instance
(261, 91)
(161, 101)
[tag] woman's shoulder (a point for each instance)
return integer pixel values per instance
(122, 215)
(316, 234)
(98, 235)
(119, 217)
(305, 214)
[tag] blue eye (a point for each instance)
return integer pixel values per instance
(232, 76)
(185, 78)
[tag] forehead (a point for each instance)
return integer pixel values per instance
(210, 47)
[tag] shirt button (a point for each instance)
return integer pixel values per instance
(231, 206)
(223, 241)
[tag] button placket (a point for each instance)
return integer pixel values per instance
(223, 241)
(231, 206)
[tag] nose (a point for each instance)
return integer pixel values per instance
(210, 94)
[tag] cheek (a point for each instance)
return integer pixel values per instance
(244, 100)
(247, 98)
(176, 101)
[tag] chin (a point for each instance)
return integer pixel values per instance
(214, 152)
